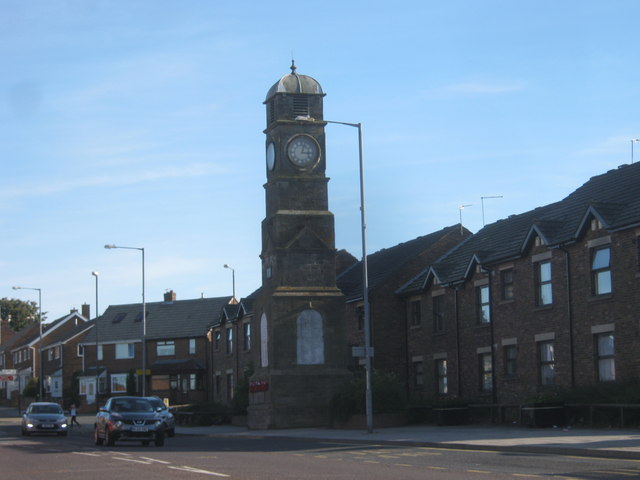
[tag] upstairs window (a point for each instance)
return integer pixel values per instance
(544, 291)
(416, 313)
(229, 340)
(483, 310)
(192, 346)
(438, 314)
(601, 271)
(246, 336)
(164, 349)
(124, 350)
(506, 281)
(510, 361)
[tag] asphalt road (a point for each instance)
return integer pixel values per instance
(198, 457)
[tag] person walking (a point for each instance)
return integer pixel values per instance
(74, 412)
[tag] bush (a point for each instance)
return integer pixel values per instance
(387, 391)
(31, 389)
(240, 401)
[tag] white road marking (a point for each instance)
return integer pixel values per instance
(133, 460)
(155, 460)
(197, 470)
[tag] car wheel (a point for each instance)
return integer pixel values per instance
(96, 437)
(108, 437)
(159, 439)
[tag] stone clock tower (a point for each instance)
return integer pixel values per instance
(301, 312)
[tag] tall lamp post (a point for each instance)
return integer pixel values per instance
(233, 279)
(40, 341)
(368, 350)
(144, 320)
(95, 326)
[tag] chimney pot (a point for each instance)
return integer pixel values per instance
(169, 296)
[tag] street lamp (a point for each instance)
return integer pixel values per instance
(368, 351)
(633, 140)
(95, 326)
(460, 208)
(233, 279)
(144, 320)
(40, 342)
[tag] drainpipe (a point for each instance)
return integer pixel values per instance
(457, 320)
(569, 315)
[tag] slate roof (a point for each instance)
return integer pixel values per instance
(385, 262)
(613, 198)
(165, 320)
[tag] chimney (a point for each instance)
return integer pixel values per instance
(169, 296)
(86, 311)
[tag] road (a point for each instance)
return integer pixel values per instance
(187, 457)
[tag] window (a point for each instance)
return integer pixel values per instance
(216, 339)
(192, 346)
(218, 384)
(124, 350)
(229, 340)
(416, 313)
(482, 304)
(100, 352)
(166, 348)
(360, 314)
(547, 363)
(510, 360)
(119, 382)
(246, 336)
(601, 271)
(486, 373)
(506, 280)
(418, 371)
(442, 386)
(81, 350)
(606, 362)
(230, 386)
(438, 313)
(50, 354)
(544, 293)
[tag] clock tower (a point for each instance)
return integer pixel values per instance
(303, 346)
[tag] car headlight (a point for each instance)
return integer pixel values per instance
(29, 425)
(118, 424)
(158, 423)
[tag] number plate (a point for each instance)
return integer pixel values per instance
(47, 425)
(139, 429)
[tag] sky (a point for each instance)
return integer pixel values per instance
(140, 123)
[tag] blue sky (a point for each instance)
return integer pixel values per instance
(140, 123)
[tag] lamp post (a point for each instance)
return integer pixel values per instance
(460, 208)
(368, 351)
(633, 140)
(40, 341)
(144, 320)
(95, 326)
(233, 279)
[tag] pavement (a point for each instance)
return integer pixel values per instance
(610, 443)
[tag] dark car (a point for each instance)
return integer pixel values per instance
(167, 416)
(129, 419)
(44, 417)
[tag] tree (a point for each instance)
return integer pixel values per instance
(18, 312)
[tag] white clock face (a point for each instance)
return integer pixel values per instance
(271, 156)
(303, 151)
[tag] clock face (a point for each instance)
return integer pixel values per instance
(271, 156)
(303, 151)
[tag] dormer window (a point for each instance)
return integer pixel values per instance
(596, 225)
(538, 242)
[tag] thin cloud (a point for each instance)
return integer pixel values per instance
(51, 187)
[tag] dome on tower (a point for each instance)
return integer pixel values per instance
(294, 83)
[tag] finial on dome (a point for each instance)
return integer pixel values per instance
(293, 66)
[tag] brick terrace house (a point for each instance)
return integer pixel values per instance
(234, 349)
(62, 358)
(10, 382)
(389, 269)
(25, 350)
(543, 300)
(176, 348)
